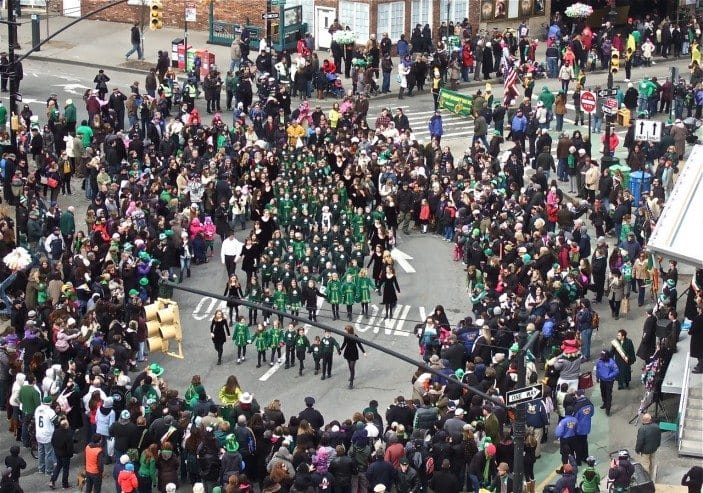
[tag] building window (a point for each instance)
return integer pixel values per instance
(356, 16)
(421, 13)
(308, 11)
(391, 20)
(458, 10)
(510, 9)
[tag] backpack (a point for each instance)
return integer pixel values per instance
(56, 248)
(595, 320)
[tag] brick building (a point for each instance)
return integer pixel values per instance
(363, 16)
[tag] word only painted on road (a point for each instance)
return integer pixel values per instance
(394, 326)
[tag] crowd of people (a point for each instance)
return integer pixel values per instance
(320, 199)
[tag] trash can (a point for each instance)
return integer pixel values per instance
(174, 51)
(624, 117)
(640, 182)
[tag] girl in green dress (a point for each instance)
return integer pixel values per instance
(334, 294)
(349, 294)
(260, 340)
(364, 288)
(280, 299)
(241, 337)
(302, 343)
(253, 295)
(275, 339)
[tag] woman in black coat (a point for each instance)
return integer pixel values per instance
(250, 254)
(350, 350)
(219, 332)
(389, 286)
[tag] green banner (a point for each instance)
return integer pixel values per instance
(454, 102)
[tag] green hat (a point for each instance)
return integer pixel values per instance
(514, 348)
(47, 399)
(168, 232)
(143, 281)
(497, 132)
(459, 374)
(671, 283)
(475, 232)
(127, 246)
(144, 256)
(162, 236)
(488, 252)
(156, 369)
(231, 444)
(133, 292)
(556, 265)
(526, 259)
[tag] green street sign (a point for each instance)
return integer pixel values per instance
(278, 3)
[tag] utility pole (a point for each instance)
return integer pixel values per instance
(525, 344)
(379, 347)
(12, 79)
(268, 24)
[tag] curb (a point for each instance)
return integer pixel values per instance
(81, 63)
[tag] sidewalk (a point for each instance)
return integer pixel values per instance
(101, 44)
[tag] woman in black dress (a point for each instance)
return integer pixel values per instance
(219, 332)
(233, 290)
(350, 348)
(388, 285)
(250, 254)
(377, 261)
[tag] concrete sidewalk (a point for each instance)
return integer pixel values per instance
(101, 44)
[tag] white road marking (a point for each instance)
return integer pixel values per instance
(200, 312)
(401, 321)
(270, 372)
(402, 259)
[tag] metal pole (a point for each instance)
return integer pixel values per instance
(589, 127)
(142, 26)
(185, 33)
(268, 24)
(372, 344)
(606, 161)
(11, 41)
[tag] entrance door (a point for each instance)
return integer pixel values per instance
(324, 17)
(72, 8)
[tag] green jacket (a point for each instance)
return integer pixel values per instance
(67, 223)
(3, 115)
(327, 345)
(29, 399)
(547, 98)
(69, 112)
(86, 134)
(147, 468)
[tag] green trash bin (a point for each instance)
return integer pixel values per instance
(624, 170)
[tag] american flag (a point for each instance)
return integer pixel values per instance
(509, 86)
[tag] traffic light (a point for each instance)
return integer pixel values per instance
(156, 15)
(163, 323)
(614, 61)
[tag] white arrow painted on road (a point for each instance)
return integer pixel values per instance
(402, 259)
(72, 88)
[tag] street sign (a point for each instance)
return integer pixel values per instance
(610, 106)
(525, 394)
(648, 130)
(604, 93)
(18, 97)
(278, 3)
(191, 13)
(588, 102)
(269, 15)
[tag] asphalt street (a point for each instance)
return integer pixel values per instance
(436, 280)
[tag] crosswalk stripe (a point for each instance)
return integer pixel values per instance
(399, 327)
(388, 324)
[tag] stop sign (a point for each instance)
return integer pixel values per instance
(588, 101)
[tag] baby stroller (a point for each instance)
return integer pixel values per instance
(334, 86)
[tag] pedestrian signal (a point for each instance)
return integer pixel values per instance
(156, 16)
